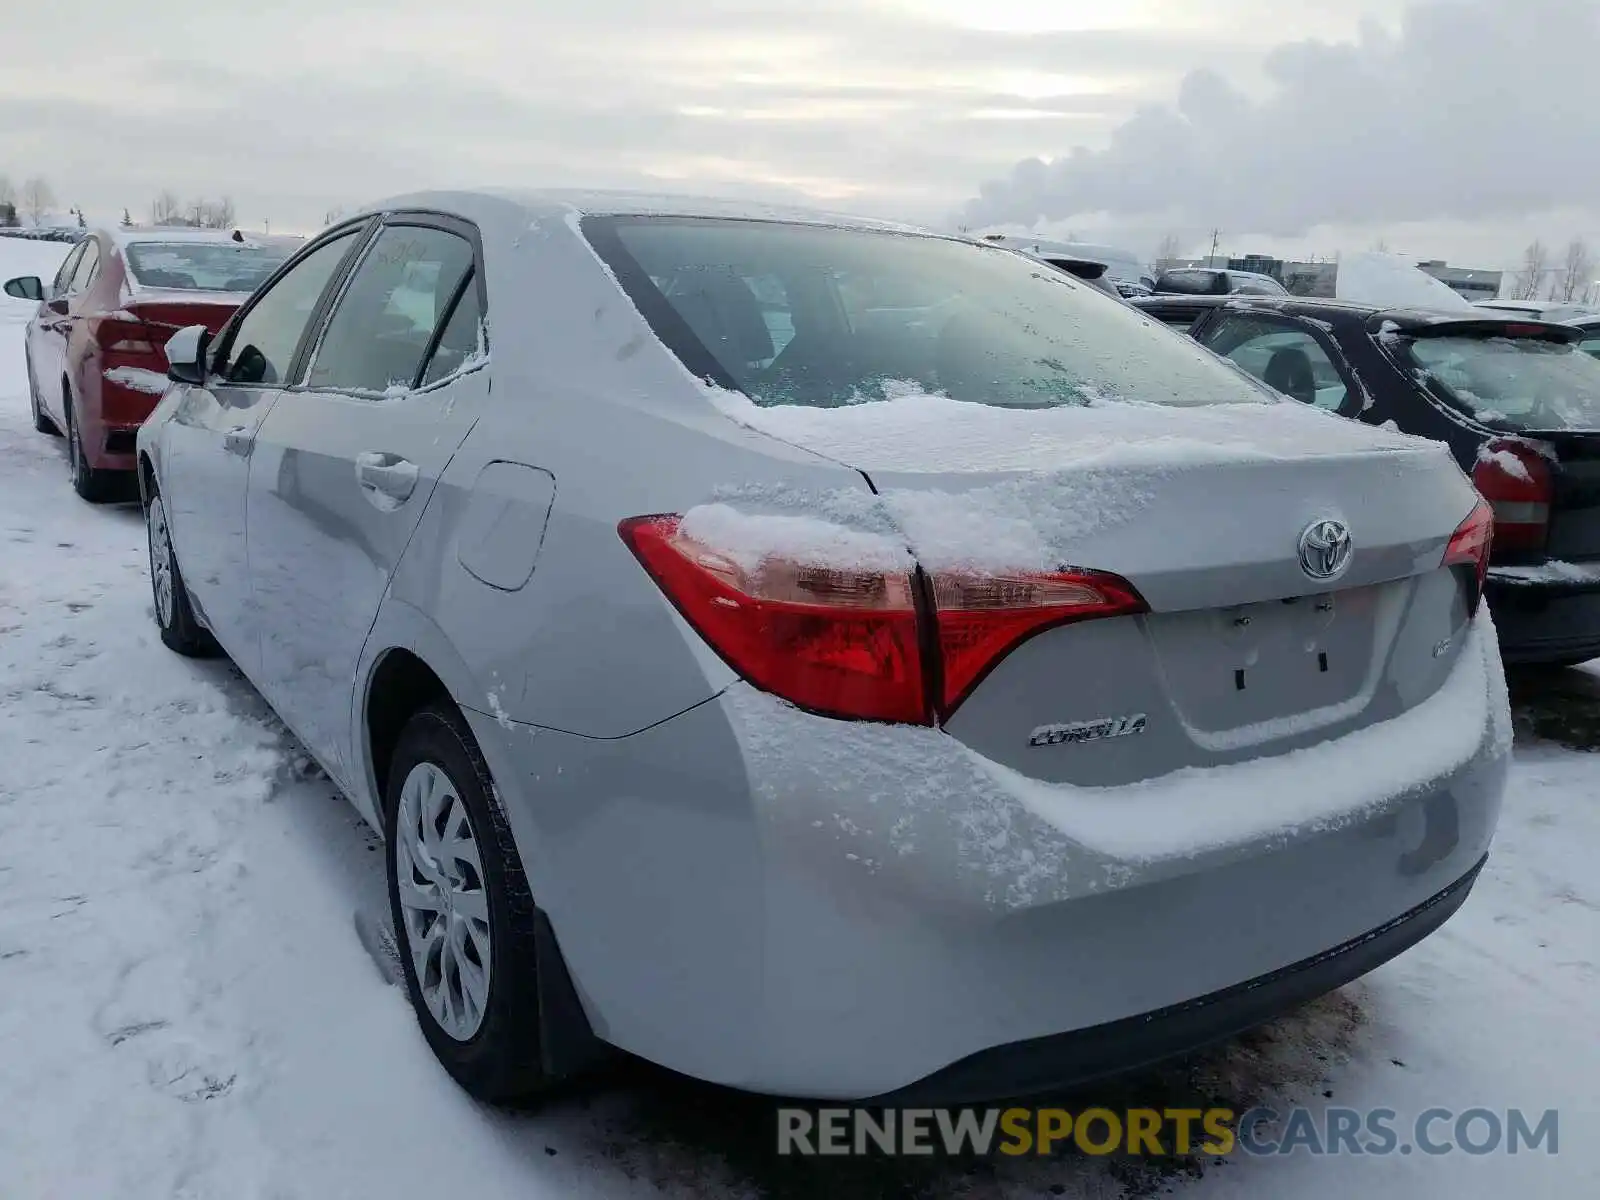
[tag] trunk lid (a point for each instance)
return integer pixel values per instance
(168, 310)
(1202, 510)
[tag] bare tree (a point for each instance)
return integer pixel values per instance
(164, 209)
(1529, 281)
(1168, 251)
(1381, 246)
(127, 219)
(1576, 269)
(37, 199)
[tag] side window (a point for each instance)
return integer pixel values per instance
(1591, 344)
(461, 339)
(265, 341)
(69, 268)
(1284, 357)
(88, 266)
(385, 320)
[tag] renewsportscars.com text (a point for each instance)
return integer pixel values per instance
(956, 1132)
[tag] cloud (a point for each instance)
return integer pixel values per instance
(1472, 110)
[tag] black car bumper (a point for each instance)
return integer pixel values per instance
(1545, 621)
(1051, 1064)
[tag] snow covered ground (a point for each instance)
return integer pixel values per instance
(186, 1011)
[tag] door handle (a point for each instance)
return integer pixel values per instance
(385, 477)
(239, 440)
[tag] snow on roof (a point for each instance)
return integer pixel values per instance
(564, 201)
(1391, 281)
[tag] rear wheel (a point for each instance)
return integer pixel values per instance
(93, 485)
(174, 614)
(463, 914)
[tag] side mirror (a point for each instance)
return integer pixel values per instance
(186, 354)
(25, 287)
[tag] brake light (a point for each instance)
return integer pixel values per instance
(1470, 545)
(982, 618)
(851, 643)
(1515, 479)
(119, 336)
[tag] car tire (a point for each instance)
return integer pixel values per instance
(95, 486)
(169, 599)
(41, 422)
(461, 910)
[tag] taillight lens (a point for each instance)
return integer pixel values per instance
(1470, 544)
(125, 337)
(843, 643)
(850, 643)
(1515, 479)
(982, 618)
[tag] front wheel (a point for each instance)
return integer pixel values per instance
(174, 614)
(463, 913)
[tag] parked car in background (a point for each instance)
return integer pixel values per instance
(1125, 271)
(1590, 326)
(1517, 401)
(93, 349)
(1212, 281)
(682, 592)
(1092, 273)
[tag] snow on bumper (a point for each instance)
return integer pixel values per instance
(778, 901)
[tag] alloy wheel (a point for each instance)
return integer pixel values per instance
(443, 903)
(160, 561)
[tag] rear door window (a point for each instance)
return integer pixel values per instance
(88, 266)
(383, 324)
(462, 338)
(1284, 356)
(63, 280)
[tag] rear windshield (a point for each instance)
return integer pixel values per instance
(1524, 382)
(825, 317)
(1191, 283)
(203, 266)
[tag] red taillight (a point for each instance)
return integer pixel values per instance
(1469, 546)
(1515, 479)
(982, 618)
(848, 642)
(120, 336)
(838, 642)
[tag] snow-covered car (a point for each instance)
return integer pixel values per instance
(820, 656)
(1213, 281)
(95, 367)
(1124, 271)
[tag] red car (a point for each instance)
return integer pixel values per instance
(94, 349)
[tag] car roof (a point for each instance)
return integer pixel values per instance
(559, 202)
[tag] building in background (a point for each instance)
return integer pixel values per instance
(1466, 282)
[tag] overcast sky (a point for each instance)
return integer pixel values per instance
(1449, 128)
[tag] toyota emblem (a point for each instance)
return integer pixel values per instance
(1325, 549)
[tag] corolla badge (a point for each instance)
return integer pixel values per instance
(1325, 549)
(1088, 731)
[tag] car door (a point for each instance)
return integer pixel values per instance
(1286, 355)
(47, 336)
(208, 439)
(346, 460)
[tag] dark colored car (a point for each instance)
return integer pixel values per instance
(1215, 281)
(1517, 401)
(94, 348)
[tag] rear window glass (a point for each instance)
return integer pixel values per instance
(825, 317)
(1591, 343)
(203, 266)
(1524, 382)
(1191, 283)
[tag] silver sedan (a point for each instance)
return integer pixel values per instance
(820, 656)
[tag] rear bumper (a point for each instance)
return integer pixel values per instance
(1069, 1059)
(776, 901)
(1542, 622)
